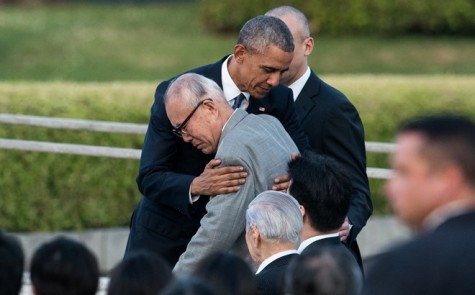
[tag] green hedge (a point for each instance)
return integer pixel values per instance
(43, 191)
(337, 17)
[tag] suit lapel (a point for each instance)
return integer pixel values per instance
(307, 98)
(257, 106)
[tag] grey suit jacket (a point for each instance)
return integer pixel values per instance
(262, 146)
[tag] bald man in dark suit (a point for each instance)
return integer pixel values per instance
(330, 121)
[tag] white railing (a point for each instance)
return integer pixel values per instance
(116, 152)
(74, 124)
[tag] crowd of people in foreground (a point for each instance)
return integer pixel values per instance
(65, 266)
(276, 223)
(432, 189)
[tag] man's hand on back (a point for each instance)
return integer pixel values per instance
(214, 181)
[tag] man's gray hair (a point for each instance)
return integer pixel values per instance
(260, 32)
(303, 26)
(277, 216)
(192, 88)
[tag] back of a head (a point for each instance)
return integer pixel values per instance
(11, 265)
(322, 187)
(263, 31)
(189, 285)
(64, 266)
(449, 138)
(299, 16)
(141, 272)
(277, 216)
(324, 271)
(228, 273)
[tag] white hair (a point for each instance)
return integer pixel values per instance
(277, 216)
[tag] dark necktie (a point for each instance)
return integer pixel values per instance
(238, 100)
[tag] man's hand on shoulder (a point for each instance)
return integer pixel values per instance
(215, 181)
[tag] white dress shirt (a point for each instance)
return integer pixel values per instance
(298, 85)
(229, 87)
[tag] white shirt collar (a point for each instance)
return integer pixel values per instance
(308, 241)
(298, 85)
(274, 257)
(229, 87)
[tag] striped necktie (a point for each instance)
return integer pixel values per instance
(238, 100)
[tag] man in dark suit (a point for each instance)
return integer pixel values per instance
(174, 176)
(330, 121)
(273, 226)
(432, 190)
(323, 191)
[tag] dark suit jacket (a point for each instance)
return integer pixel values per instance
(327, 242)
(439, 262)
(270, 280)
(334, 128)
(164, 221)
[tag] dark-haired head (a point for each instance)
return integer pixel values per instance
(448, 138)
(228, 273)
(141, 272)
(64, 266)
(11, 264)
(323, 188)
(189, 285)
(326, 270)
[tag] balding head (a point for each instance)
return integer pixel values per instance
(197, 110)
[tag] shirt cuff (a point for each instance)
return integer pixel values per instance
(191, 198)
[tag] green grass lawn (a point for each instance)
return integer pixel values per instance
(154, 42)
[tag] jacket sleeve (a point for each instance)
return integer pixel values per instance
(156, 179)
(222, 225)
(344, 141)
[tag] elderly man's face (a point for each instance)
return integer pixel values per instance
(259, 73)
(414, 188)
(201, 129)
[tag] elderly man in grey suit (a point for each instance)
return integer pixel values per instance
(273, 226)
(200, 114)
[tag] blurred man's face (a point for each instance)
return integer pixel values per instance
(413, 189)
(259, 73)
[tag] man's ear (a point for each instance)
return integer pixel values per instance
(302, 210)
(211, 109)
(309, 44)
(255, 237)
(239, 52)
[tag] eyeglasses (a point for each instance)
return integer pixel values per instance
(179, 130)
